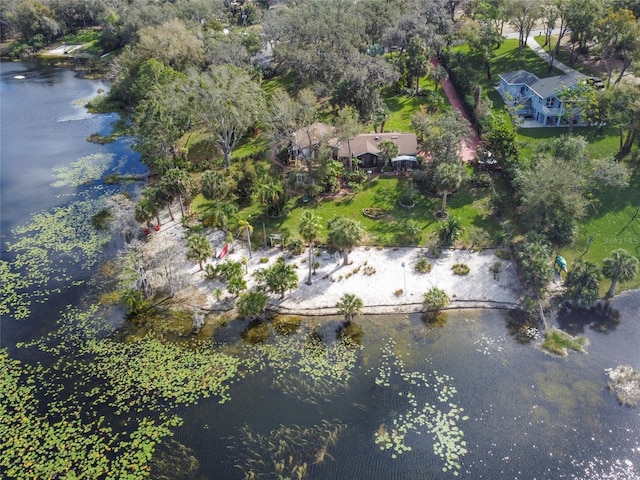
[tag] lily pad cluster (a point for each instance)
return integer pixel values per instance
(67, 441)
(45, 250)
(96, 377)
(307, 367)
(85, 170)
(286, 452)
(439, 417)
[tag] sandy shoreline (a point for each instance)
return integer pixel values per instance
(374, 274)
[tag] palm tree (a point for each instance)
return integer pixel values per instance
(435, 299)
(279, 277)
(447, 178)
(309, 228)
(350, 306)
(245, 229)
(133, 300)
(146, 208)
(251, 304)
(620, 266)
(219, 213)
(344, 234)
(449, 231)
(213, 185)
(271, 194)
(177, 183)
(583, 283)
(199, 248)
(438, 74)
(389, 150)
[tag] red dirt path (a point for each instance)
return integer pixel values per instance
(468, 151)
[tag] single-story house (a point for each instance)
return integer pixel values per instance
(306, 140)
(364, 147)
(537, 98)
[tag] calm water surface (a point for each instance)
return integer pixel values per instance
(521, 413)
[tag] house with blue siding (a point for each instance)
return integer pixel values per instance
(536, 99)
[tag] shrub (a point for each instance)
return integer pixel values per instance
(399, 292)
(461, 269)
(423, 266)
(435, 299)
(496, 268)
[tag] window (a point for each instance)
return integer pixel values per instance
(549, 102)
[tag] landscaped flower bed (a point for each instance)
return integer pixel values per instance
(374, 212)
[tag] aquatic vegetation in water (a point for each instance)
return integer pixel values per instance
(94, 377)
(66, 441)
(625, 383)
(307, 367)
(439, 417)
(172, 459)
(286, 452)
(45, 250)
(559, 342)
(487, 345)
(83, 171)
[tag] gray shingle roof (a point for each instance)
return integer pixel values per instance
(546, 87)
(519, 77)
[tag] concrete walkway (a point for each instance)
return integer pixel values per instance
(544, 55)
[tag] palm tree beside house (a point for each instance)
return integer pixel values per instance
(309, 228)
(350, 306)
(388, 150)
(619, 266)
(344, 234)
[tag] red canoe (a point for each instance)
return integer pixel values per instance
(224, 251)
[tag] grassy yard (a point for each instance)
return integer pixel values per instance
(601, 144)
(613, 222)
(468, 204)
(403, 107)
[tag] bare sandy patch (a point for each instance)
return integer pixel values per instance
(385, 279)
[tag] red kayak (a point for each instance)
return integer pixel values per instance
(224, 251)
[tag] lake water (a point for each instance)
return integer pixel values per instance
(464, 400)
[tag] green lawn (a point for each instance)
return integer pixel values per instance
(469, 204)
(601, 144)
(614, 222)
(505, 60)
(403, 107)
